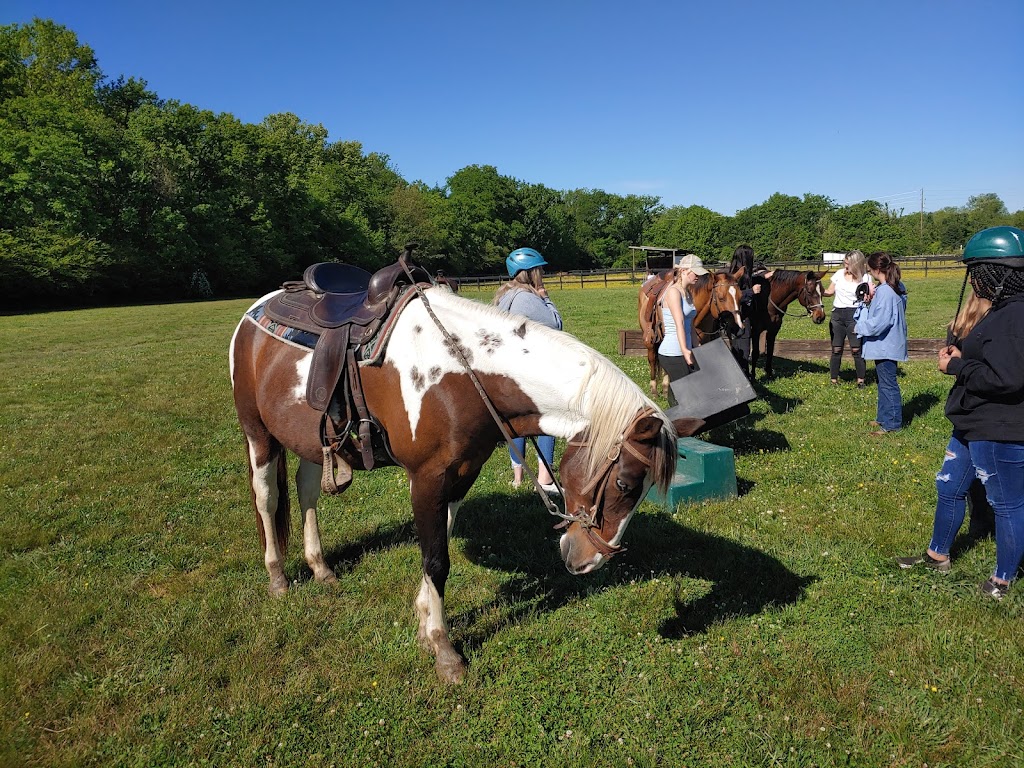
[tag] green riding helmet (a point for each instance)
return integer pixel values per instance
(996, 245)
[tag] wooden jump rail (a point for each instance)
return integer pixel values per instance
(631, 344)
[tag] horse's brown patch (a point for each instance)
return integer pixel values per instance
(417, 329)
(520, 331)
(435, 373)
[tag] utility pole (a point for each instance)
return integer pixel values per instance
(922, 215)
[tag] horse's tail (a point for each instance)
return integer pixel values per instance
(282, 515)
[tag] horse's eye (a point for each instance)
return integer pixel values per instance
(621, 486)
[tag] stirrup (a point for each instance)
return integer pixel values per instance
(336, 477)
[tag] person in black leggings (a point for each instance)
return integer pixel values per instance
(843, 286)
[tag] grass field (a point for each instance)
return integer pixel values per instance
(772, 629)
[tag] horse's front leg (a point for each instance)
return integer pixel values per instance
(755, 353)
(769, 349)
(307, 480)
(434, 518)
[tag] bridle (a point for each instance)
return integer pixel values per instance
(808, 308)
(588, 519)
(715, 309)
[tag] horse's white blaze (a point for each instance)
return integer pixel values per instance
(544, 367)
(430, 610)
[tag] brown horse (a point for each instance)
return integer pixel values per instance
(786, 286)
(423, 391)
(716, 296)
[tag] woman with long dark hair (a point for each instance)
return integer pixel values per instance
(743, 257)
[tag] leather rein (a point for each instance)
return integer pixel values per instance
(587, 519)
(809, 308)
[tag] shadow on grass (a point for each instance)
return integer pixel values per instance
(342, 559)
(918, 405)
(784, 367)
(745, 581)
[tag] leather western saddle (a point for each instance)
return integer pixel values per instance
(346, 307)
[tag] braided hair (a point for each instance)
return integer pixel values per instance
(994, 281)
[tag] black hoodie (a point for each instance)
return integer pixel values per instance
(987, 399)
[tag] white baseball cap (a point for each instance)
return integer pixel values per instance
(692, 263)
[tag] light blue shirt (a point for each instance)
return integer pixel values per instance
(882, 325)
(670, 344)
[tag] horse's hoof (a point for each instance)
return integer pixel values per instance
(450, 668)
(326, 577)
(278, 587)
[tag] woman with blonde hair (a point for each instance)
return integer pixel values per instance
(524, 294)
(677, 312)
(843, 286)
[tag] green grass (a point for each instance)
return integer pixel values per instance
(771, 629)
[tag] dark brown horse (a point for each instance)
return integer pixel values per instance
(423, 392)
(786, 286)
(716, 296)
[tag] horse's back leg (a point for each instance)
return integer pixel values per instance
(268, 478)
(307, 480)
(652, 364)
(434, 519)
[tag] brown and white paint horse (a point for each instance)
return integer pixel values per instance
(716, 296)
(440, 431)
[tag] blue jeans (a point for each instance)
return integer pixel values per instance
(890, 400)
(1000, 467)
(546, 445)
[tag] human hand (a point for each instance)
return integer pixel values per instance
(945, 355)
(756, 288)
(688, 357)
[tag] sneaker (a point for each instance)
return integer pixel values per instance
(551, 490)
(994, 589)
(928, 560)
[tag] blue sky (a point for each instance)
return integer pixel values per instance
(718, 103)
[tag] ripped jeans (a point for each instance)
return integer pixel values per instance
(1000, 467)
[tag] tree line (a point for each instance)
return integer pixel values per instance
(109, 193)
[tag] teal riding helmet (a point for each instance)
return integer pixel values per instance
(523, 258)
(996, 245)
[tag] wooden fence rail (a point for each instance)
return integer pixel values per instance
(606, 277)
(631, 344)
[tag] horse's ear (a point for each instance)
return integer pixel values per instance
(820, 275)
(738, 273)
(686, 427)
(647, 428)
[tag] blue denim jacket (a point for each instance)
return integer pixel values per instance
(883, 325)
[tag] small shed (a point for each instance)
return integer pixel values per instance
(656, 258)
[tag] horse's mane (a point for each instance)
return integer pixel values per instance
(787, 277)
(607, 399)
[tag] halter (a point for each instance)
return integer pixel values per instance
(715, 310)
(588, 518)
(808, 309)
